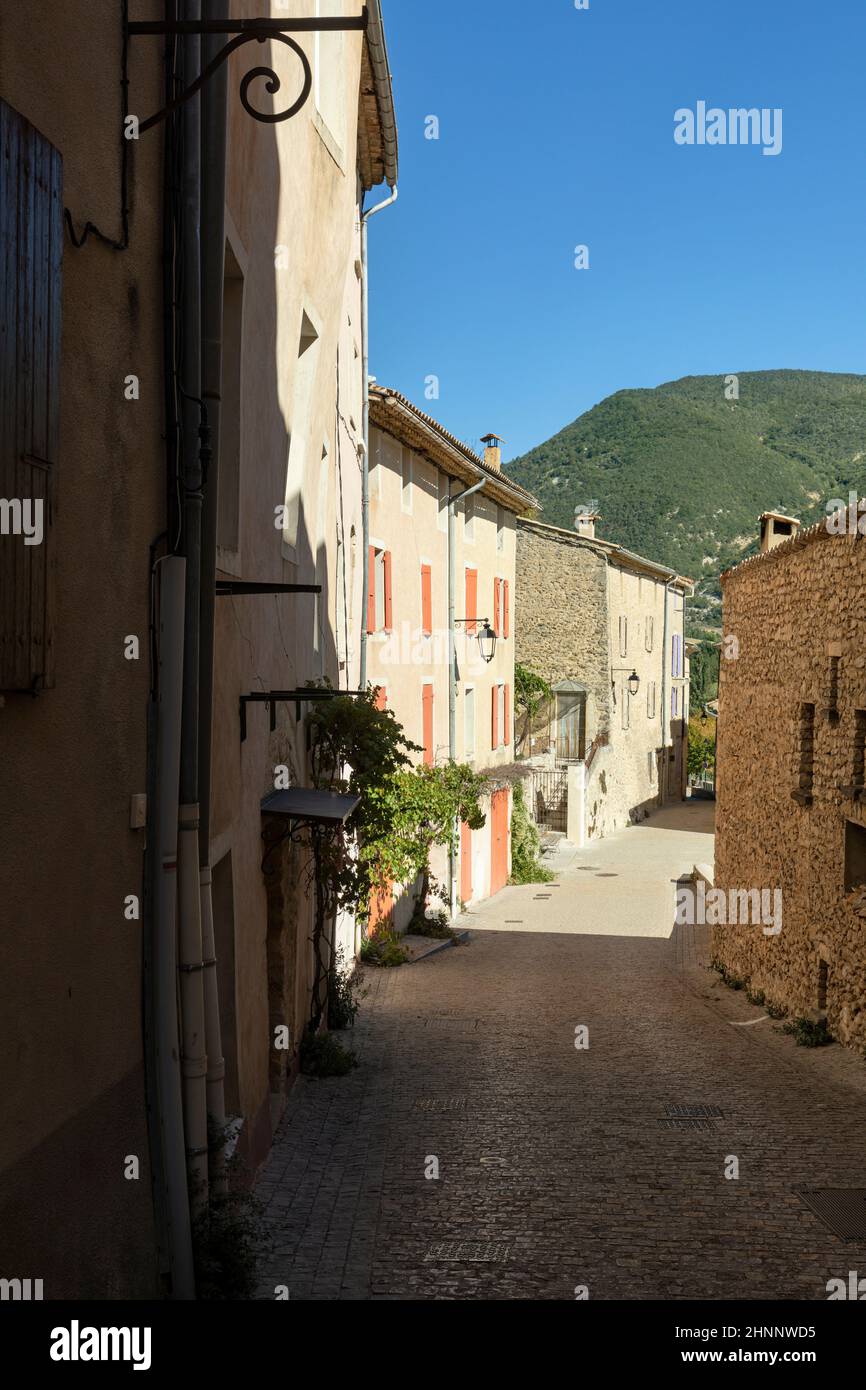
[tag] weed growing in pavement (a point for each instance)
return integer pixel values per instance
(808, 1033)
(324, 1055)
(384, 949)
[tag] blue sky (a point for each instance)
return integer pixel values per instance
(556, 129)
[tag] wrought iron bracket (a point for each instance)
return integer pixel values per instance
(247, 31)
(295, 697)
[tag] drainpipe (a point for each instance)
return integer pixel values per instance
(452, 666)
(365, 446)
(193, 459)
(213, 172)
(664, 708)
(168, 1102)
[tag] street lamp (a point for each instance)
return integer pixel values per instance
(486, 637)
(633, 683)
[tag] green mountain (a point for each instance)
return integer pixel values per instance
(681, 474)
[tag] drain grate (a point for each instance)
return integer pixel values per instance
(842, 1209)
(433, 1105)
(694, 1112)
(514, 921)
(701, 1117)
(478, 1252)
(449, 1021)
(607, 875)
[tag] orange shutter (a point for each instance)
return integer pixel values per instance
(494, 718)
(388, 604)
(506, 618)
(497, 591)
(428, 725)
(426, 601)
(371, 591)
(506, 733)
(381, 697)
(471, 599)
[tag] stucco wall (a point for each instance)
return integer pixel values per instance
(70, 982)
(790, 613)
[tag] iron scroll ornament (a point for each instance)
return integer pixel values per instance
(272, 84)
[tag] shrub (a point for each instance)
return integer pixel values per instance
(324, 1055)
(806, 1032)
(344, 996)
(385, 949)
(526, 866)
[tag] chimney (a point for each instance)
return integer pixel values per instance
(776, 528)
(493, 451)
(585, 519)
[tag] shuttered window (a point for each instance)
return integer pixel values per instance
(31, 249)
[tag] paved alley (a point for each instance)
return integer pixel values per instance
(562, 1167)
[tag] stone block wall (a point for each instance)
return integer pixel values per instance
(789, 774)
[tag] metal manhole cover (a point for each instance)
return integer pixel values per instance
(447, 1021)
(842, 1209)
(694, 1112)
(450, 1252)
(432, 1105)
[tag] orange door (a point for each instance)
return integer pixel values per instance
(381, 908)
(465, 863)
(498, 841)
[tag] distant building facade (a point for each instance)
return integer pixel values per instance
(790, 781)
(418, 469)
(606, 629)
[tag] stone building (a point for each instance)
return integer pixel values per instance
(418, 472)
(130, 343)
(791, 809)
(606, 629)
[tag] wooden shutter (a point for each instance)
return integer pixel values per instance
(497, 592)
(506, 702)
(471, 599)
(494, 718)
(427, 715)
(426, 600)
(381, 697)
(371, 589)
(506, 613)
(389, 607)
(31, 250)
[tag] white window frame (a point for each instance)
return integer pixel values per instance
(469, 748)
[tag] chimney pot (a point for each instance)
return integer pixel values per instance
(585, 519)
(776, 528)
(493, 451)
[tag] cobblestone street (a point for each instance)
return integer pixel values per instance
(561, 1167)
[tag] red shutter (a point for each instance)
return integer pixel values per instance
(426, 601)
(506, 621)
(494, 718)
(427, 715)
(497, 590)
(506, 733)
(371, 591)
(388, 605)
(31, 252)
(471, 599)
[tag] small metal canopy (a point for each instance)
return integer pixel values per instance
(311, 806)
(569, 687)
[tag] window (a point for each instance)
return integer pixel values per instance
(500, 529)
(444, 493)
(623, 636)
(806, 755)
(406, 471)
(471, 600)
(329, 82)
(306, 369)
(859, 749)
(30, 294)
(379, 603)
(427, 724)
(506, 715)
(228, 503)
(494, 717)
(469, 724)
(469, 519)
(651, 700)
(649, 633)
(426, 600)
(675, 702)
(823, 981)
(501, 607)
(855, 855)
